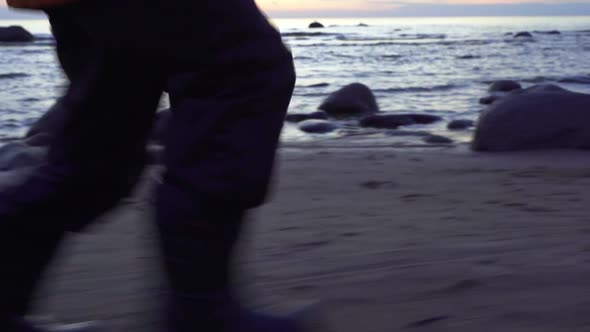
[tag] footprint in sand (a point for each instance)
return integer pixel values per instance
(303, 288)
(428, 321)
(464, 285)
(289, 228)
(378, 184)
(538, 209)
(514, 204)
(411, 197)
(311, 244)
(487, 261)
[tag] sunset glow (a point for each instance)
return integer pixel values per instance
(385, 8)
(393, 7)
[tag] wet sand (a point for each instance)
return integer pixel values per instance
(388, 240)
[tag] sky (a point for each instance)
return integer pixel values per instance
(384, 8)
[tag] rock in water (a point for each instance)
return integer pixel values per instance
(523, 34)
(298, 117)
(353, 99)
(15, 34)
(540, 117)
(551, 32)
(436, 139)
(460, 124)
(406, 133)
(317, 126)
(504, 86)
(491, 99)
(392, 121)
(316, 25)
(423, 118)
(389, 121)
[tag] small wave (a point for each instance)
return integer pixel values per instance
(435, 88)
(394, 39)
(30, 100)
(537, 79)
(423, 36)
(310, 94)
(407, 43)
(44, 36)
(520, 40)
(317, 85)
(12, 75)
(392, 56)
(575, 79)
(32, 51)
(308, 34)
(303, 58)
(550, 32)
(468, 57)
(344, 56)
(47, 42)
(580, 79)
(470, 42)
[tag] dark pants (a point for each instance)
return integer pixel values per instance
(230, 80)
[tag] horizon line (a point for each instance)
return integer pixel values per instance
(314, 17)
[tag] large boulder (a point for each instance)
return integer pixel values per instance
(540, 117)
(504, 86)
(317, 126)
(353, 99)
(15, 34)
(492, 98)
(315, 25)
(437, 139)
(392, 121)
(460, 124)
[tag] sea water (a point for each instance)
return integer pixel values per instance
(439, 66)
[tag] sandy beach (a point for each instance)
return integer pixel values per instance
(387, 240)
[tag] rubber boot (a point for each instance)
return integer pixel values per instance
(197, 258)
(25, 254)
